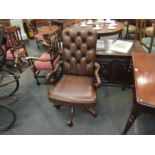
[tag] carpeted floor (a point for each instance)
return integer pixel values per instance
(36, 115)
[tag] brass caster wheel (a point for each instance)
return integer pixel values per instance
(57, 106)
(70, 124)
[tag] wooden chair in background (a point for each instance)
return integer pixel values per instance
(44, 66)
(37, 23)
(147, 39)
(14, 49)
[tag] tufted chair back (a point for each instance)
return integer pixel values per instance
(79, 51)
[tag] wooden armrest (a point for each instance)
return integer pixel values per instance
(45, 43)
(54, 70)
(98, 80)
(44, 60)
(57, 66)
(35, 58)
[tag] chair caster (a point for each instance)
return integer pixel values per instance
(70, 124)
(70, 117)
(38, 83)
(123, 88)
(96, 115)
(57, 106)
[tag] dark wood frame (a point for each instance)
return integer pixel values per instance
(116, 68)
(138, 105)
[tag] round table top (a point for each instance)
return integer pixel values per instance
(105, 30)
(46, 30)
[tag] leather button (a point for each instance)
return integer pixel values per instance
(84, 40)
(72, 40)
(89, 34)
(67, 33)
(78, 34)
(78, 47)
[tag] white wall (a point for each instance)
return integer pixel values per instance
(19, 22)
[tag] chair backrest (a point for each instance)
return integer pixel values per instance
(140, 28)
(141, 33)
(2, 44)
(13, 36)
(79, 51)
(41, 22)
(152, 37)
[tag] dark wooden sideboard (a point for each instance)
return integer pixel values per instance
(115, 67)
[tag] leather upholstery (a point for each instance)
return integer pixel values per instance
(79, 51)
(76, 87)
(73, 90)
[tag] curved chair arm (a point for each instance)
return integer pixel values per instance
(44, 60)
(45, 43)
(36, 58)
(98, 81)
(56, 68)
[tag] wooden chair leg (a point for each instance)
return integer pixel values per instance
(91, 111)
(19, 68)
(37, 80)
(132, 117)
(70, 117)
(37, 44)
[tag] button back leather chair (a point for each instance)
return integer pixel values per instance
(76, 87)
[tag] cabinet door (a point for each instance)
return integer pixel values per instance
(105, 70)
(127, 72)
(121, 72)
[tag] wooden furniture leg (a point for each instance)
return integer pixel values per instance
(91, 111)
(132, 117)
(70, 117)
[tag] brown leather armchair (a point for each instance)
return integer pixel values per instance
(77, 86)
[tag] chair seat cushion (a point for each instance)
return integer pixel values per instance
(39, 37)
(9, 55)
(73, 90)
(41, 65)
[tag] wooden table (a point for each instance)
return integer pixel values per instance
(64, 23)
(115, 67)
(46, 30)
(107, 32)
(104, 31)
(144, 73)
(144, 90)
